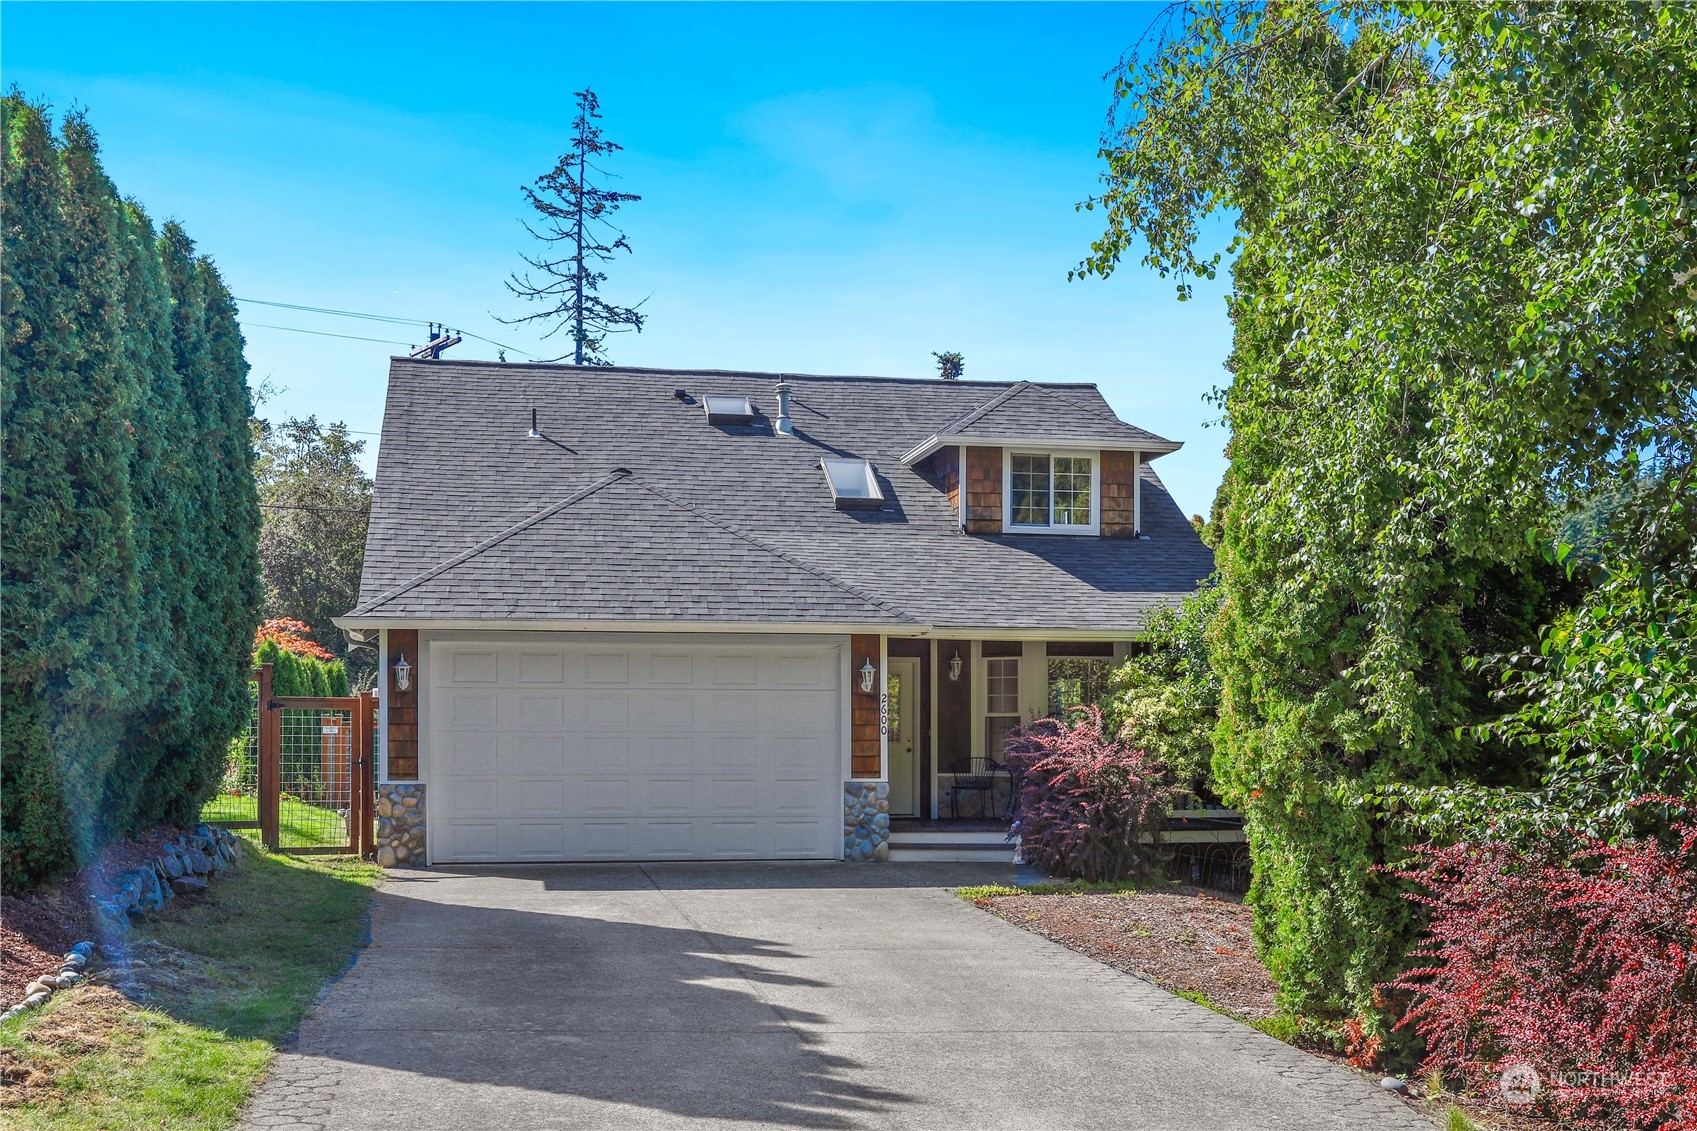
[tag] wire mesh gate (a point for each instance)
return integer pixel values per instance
(315, 773)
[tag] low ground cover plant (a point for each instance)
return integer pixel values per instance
(1088, 806)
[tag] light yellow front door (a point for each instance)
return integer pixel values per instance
(903, 690)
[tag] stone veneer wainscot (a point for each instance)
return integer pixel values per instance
(866, 820)
(400, 824)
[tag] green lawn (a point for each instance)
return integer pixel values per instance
(245, 965)
(300, 825)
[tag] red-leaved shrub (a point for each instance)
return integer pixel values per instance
(1087, 806)
(291, 636)
(1580, 963)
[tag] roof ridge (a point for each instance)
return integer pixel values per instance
(773, 550)
(494, 540)
(774, 375)
(996, 401)
(1109, 415)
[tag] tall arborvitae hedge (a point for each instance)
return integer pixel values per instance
(130, 523)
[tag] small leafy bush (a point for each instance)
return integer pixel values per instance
(1088, 806)
(1578, 961)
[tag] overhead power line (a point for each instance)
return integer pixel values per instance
(325, 334)
(392, 320)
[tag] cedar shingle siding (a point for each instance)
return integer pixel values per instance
(1119, 502)
(402, 708)
(983, 490)
(866, 748)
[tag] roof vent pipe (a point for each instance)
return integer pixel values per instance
(784, 427)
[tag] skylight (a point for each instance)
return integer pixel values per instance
(854, 485)
(728, 410)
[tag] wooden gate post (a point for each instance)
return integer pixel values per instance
(360, 779)
(270, 743)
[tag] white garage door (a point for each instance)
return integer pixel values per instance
(634, 751)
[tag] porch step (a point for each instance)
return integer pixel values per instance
(908, 837)
(990, 852)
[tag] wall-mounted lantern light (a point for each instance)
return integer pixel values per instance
(954, 667)
(868, 674)
(403, 673)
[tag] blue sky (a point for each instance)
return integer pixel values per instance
(827, 188)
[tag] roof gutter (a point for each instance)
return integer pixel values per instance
(373, 623)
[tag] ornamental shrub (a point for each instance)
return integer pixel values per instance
(1087, 805)
(1578, 959)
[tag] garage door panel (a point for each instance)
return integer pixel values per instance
(810, 669)
(529, 753)
(668, 754)
(534, 797)
(669, 712)
(474, 666)
(675, 669)
(733, 669)
(664, 751)
(795, 837)
(475, 710)
(669, 839)
(538, 710)
(792, 796)
(541, 667)
(671, 796)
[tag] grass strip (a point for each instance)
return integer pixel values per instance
(212, 987)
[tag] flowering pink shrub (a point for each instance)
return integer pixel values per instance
(1581, 965)
(1087, 806)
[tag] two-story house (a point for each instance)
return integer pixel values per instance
(631, 614)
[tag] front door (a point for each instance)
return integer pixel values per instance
(904, 743)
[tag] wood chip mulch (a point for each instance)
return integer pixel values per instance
(1188, 939)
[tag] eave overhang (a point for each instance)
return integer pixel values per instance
(1150, 448)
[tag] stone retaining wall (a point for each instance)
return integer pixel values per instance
(866, 820)
(400, 824)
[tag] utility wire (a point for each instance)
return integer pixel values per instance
(325, 334)
(370, 318)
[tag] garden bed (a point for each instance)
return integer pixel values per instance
(182, 1011)
(1192, 941)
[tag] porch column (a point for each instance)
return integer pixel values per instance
(866, 796)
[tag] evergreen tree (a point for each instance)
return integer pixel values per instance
(577, 233)
(129, 523)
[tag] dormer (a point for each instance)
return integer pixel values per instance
(1035, 460)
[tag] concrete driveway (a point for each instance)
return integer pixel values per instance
(765, 995)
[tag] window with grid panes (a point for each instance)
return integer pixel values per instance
(1050, 490)
(1001, 703)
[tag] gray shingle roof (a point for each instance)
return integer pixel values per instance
(632, 507)
(1044, 412)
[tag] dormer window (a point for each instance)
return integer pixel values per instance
(1051, 492)
(728, 410)
(854, 485)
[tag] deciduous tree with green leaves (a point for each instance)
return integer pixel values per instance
(317, 500)
(1462, 254)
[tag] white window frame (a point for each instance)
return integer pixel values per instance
(1095, 458)
(984, 716)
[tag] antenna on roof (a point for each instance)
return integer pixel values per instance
(440, 339)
